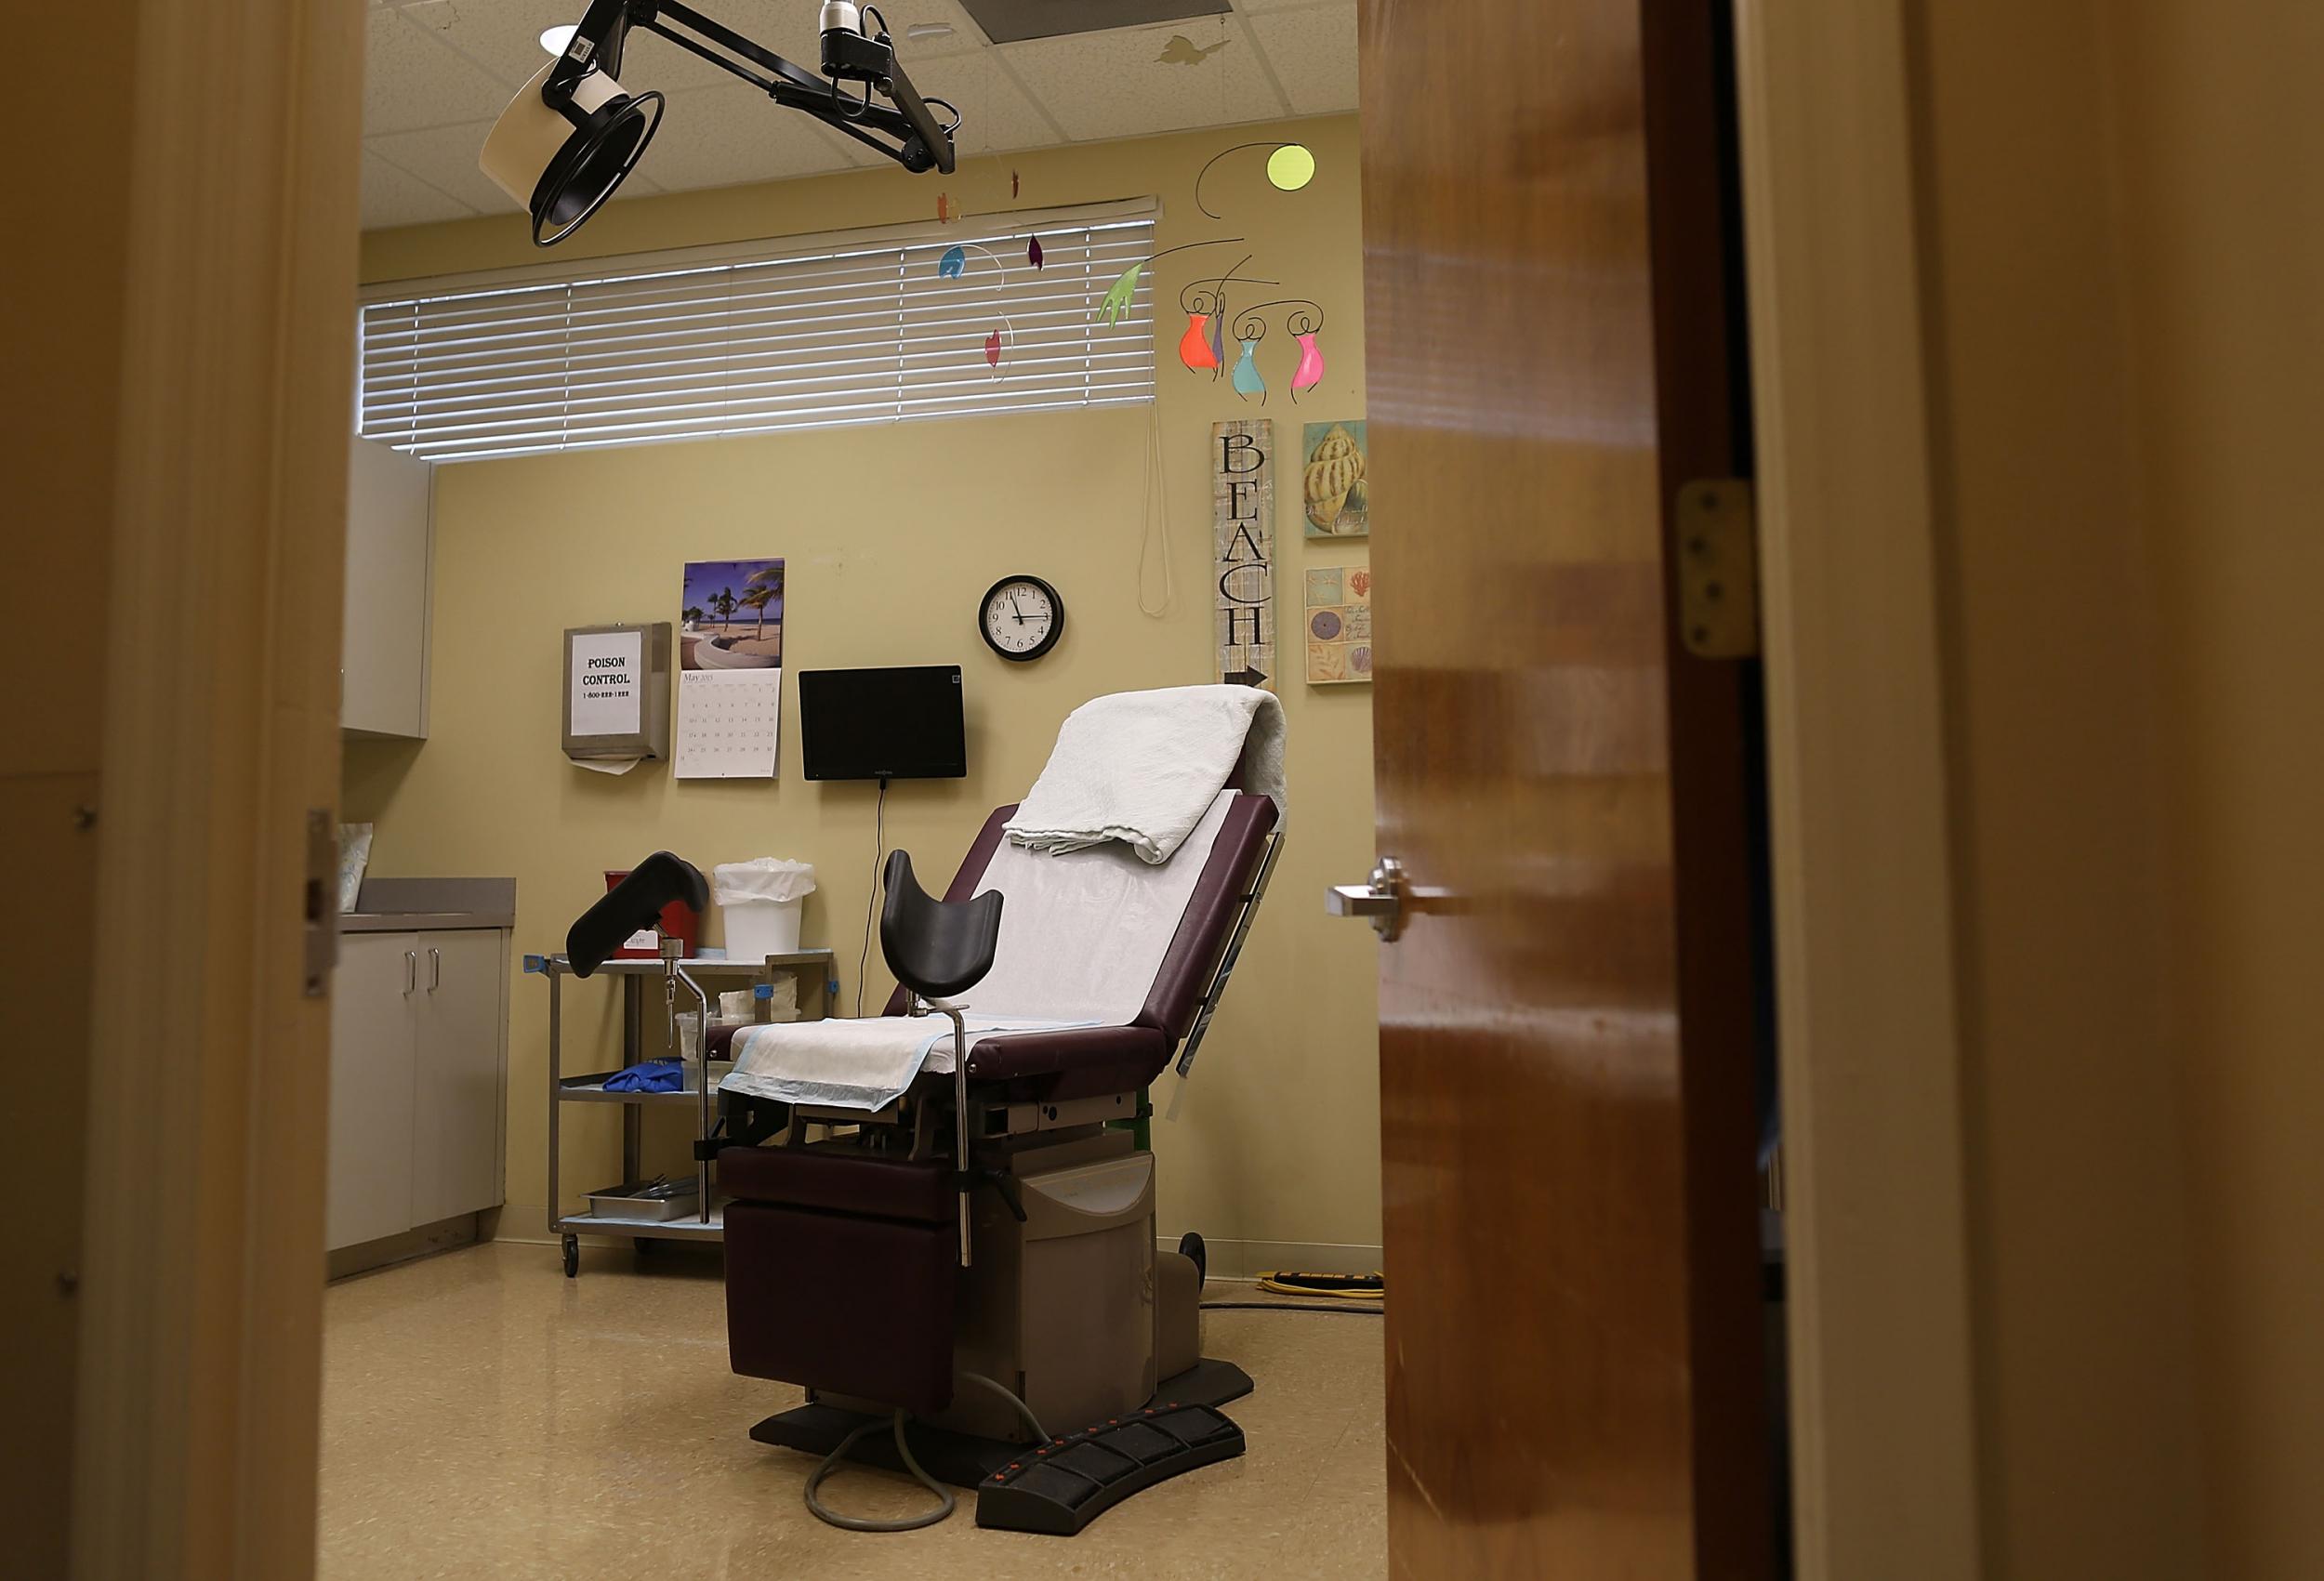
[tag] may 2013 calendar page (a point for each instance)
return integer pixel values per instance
(729, 724)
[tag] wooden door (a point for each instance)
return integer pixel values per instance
(372, 1010)
(458, 1081)
(1568, 1022)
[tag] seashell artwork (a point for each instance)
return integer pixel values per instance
(1335, 489)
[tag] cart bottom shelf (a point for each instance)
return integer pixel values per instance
(687, 1229)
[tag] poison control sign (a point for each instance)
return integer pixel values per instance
(607, 682)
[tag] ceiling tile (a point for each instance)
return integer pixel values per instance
(395, 197)
(904, 15)
(505, 37)
(995, 114)
(790, 29)
(1313, 55)
(444, 157)
(1126, 83)
(1009, 22)
(723, 136)
(412, 81)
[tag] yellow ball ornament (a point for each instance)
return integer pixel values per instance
(1291, 166)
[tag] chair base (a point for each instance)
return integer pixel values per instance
(963, 1461)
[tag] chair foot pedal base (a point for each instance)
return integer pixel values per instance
(1058, 1488)
(958, 1459)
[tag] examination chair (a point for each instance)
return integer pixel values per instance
(994, 1225)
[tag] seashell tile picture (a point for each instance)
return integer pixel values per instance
(1338, 495)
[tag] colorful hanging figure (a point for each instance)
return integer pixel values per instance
(1218, 342)
(1251, 328)
(1033, 252)
(992, 349)
(1247, 380)
(1310, 372)
(1121, 296)
(950, 265)
(1304, 322)
(1194, 347)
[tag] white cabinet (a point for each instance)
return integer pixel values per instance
(371, 1089)
(459, 1087)
(383, 674)
(418, 1089)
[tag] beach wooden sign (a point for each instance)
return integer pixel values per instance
(1243, 519)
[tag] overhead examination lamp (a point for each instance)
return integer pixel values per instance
(574, 133)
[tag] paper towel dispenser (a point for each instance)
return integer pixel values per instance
(616, 684)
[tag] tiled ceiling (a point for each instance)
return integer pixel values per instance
(440, 71)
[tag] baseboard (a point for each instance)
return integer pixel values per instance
(526, 1222)
(367, 1257)
(1248, 1259)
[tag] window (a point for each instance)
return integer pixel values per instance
(798, 332)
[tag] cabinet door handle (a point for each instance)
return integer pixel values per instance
(435, 970)
(411, 970)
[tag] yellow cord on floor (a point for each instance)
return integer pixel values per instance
(1326, 1286)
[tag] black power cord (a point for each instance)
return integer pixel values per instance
(871, 902)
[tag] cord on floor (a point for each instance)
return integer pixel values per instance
(903, 1451)
(859, 1523)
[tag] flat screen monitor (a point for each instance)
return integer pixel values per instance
(890, 724)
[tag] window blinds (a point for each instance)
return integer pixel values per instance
(807, 332)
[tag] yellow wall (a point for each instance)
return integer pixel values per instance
(891, 535)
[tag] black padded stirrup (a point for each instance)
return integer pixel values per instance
(935, 948)
(631, 906)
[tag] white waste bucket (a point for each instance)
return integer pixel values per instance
(761, 901)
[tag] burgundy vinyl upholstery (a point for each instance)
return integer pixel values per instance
(841, 1179)
(877, 1318)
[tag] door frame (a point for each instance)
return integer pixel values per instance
(195, 1437)
(1884, 1449)
(197, 1420)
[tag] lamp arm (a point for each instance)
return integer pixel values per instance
(597, 45)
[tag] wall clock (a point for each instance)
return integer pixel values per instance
(1021, 618)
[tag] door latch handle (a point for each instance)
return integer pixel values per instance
(1380, 902)
(411, 971)
(435, 970)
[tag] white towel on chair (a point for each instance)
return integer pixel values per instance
(866, 1063)
(1143, 767)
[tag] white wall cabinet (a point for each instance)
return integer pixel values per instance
(383, 666)
(419, 1090)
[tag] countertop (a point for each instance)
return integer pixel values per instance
(399, 905)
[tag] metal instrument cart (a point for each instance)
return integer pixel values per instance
(812, 969)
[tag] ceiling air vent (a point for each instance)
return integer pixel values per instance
(1006, 22)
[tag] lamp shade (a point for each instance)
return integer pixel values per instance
(563, 161)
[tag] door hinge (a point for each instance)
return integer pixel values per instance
(1718, 550)
(321, 901)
